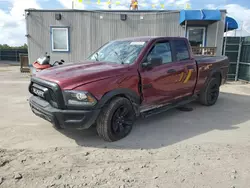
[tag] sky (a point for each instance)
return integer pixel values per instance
(13, 28)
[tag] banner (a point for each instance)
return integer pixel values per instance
(110, 4)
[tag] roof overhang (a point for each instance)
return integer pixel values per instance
(200, 16)
(230, 24)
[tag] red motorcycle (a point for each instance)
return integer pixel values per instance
(43, 63)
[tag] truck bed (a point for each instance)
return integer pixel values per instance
(209, 59)
(207, 63)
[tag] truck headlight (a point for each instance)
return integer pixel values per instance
(79, 98)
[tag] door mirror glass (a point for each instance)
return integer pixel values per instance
(156, 61)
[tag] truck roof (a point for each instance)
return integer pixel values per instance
(147, 38)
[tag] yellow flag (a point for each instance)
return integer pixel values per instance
(153, 5)
(162, 5)
(117, 2)
(135, 3)
(80, 1)
(108, 2)
(188, 6)
(98, 2)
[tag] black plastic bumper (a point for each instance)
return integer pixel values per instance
(77, 119)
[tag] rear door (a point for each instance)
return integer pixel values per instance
(183, 58)
(161, 83)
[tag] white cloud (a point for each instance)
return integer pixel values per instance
(210, 6)
(12, 24)
(240, 14)
(182, 2)
(65, 3)
(123, 5)
(68, 4)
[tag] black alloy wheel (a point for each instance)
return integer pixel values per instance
(210, 94)
(122, 121)
(116, 119)
(213, 92)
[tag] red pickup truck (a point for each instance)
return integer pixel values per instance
(125, 79)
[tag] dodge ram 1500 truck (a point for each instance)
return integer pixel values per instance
(125, 79)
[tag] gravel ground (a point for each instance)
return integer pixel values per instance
(207, 147)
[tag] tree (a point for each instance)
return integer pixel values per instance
(6, 46)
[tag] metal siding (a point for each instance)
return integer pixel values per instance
(211, 34)
(88, 32)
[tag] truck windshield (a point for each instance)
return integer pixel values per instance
(123, 52)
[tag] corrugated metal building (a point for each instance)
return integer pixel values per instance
(73, 35)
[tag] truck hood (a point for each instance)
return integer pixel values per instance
(73, 75)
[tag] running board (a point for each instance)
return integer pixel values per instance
(159, 110)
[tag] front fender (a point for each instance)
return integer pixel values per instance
(128, 93)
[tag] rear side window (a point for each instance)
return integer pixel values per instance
(181, 49)
(163, 50)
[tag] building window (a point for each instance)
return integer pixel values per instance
(196, 36)
(60, 39)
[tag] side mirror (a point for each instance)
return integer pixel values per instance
(155, 61)
(152, 62)
(62, 60)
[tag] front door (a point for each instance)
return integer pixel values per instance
(175, 78)
(160, 84)
(196, 36)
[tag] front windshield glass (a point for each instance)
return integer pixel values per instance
(123, 52)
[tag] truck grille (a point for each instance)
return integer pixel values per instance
(52, 95)
(48, 91)
(53, 98)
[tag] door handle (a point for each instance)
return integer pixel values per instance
(171, 70)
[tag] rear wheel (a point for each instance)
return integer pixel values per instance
(116, 120)
(209, 96)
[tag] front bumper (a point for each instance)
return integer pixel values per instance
(77, 119)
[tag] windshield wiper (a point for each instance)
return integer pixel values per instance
(96, 56)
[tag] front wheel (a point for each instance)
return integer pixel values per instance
(116, 120)
(209, 96)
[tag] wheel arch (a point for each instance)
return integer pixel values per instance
(129, 94)
(216, 73)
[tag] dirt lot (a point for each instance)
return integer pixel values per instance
(208, 147)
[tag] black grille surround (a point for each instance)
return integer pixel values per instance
(53, 92)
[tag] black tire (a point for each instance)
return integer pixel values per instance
(210, 94)
(111, 126)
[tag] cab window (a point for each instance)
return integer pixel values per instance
(181, 48)
(163, 50)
